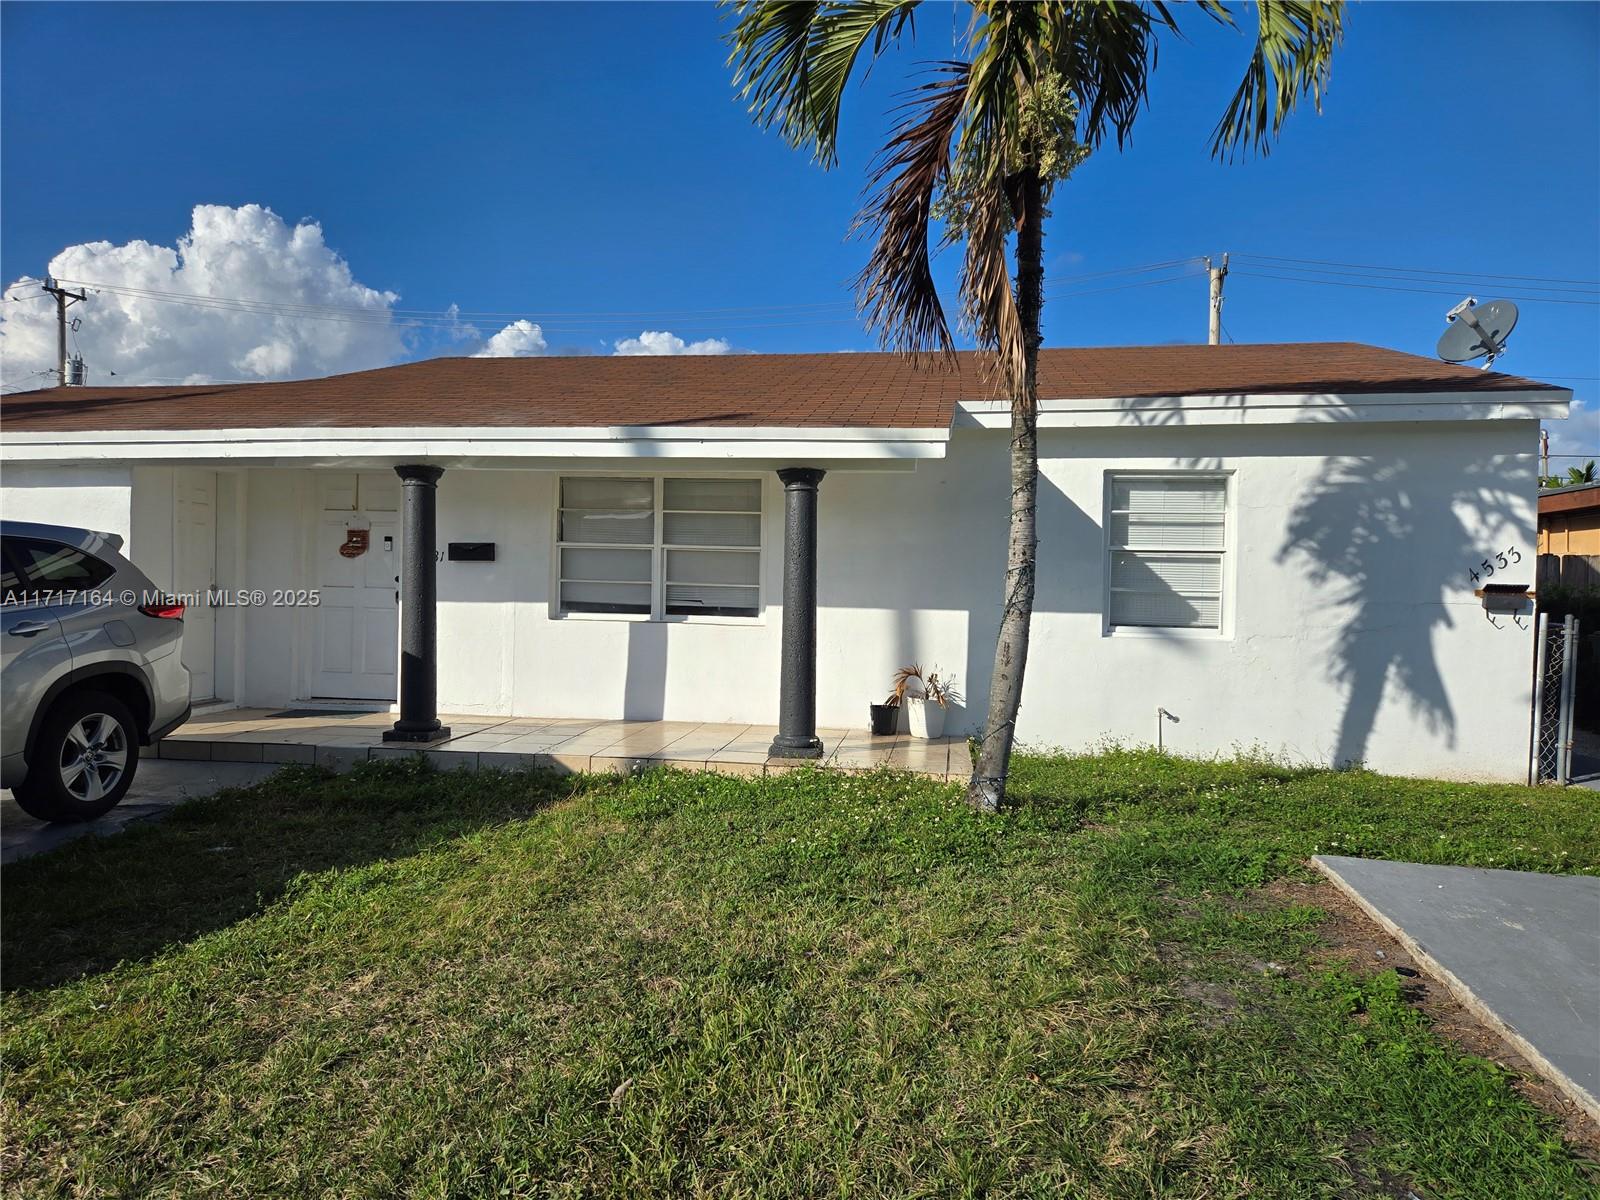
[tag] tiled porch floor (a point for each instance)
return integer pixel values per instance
(341, 739)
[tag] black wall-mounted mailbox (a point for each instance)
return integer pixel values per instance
(471, 551)
(1504, 597)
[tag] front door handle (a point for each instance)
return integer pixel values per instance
(27, 628)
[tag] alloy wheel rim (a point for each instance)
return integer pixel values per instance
(94, 756)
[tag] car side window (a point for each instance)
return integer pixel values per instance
(10, 581)
(47, 566)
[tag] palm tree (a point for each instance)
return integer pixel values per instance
(1573, 477)
(982, 146)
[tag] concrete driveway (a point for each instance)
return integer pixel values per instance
(1520, 949)
(159, 784)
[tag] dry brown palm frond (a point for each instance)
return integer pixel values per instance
(989, 307)
(896, 290)
(902, 681)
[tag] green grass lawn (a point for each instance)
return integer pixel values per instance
(397, 983)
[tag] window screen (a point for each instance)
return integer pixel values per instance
(607, 541)
(673, 547)
(1166, 537)
(712, 539)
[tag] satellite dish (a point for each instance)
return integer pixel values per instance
(1477, 331)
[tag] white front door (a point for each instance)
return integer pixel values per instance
(194, 570)
(356, 622)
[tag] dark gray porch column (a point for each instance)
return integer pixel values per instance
(797, 699)
(419, 618)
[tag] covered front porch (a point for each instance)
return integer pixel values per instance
(340, 739)
(618, 577)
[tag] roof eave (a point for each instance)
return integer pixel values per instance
(1282, 408)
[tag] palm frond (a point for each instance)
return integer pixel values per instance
(1105, 51)
(1295, 41)
(896, 288)
(989, 308)
(1004, 51)
(792, 61)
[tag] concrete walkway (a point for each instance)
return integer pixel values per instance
(338, 740)
(156, 788)
(1519, 949)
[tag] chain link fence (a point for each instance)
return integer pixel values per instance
(1554, 696)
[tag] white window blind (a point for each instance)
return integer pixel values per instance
(607, 543)
(1166, 537)
(660, 547)
(712, 540)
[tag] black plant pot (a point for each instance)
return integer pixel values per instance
(885, 718)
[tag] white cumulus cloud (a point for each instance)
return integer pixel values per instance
(249, 253)
(520, 339)
(1575, 439)
(658, 341)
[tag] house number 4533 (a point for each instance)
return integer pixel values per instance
(1498, 561)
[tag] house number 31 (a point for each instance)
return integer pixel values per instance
(1500, 560)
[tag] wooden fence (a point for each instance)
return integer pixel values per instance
(1569, 570)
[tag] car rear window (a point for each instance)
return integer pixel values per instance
(47, 566)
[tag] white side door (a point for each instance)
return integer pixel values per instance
(356, 623)
(194, 571)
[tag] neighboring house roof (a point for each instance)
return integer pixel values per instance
(1575, 497)
(866, 391)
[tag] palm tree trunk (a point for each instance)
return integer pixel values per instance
(987, 790)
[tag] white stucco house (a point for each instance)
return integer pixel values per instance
(1279, 545)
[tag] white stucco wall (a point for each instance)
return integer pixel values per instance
(1353, 634)
(98, 497)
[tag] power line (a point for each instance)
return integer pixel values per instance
(1145, 269)
(386, 319)
(384, 316)
(450, 315)
(1320, 262)
(1420, 291)
(1400, 278)
(732, 319)
(459, 316)
(1071, 295)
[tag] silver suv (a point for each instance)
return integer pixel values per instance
(91, 669)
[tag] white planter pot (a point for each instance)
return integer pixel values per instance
(924, 718)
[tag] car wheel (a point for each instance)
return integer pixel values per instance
(84, 760)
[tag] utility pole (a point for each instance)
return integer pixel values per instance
(64, 299)
(1218, 274)
(1544, 453)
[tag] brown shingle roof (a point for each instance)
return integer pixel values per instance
(864, 390)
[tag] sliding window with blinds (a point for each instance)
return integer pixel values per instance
(1166, 538)
(660, 547)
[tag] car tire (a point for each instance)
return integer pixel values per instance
(84, 760)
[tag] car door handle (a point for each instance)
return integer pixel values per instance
(27, 628)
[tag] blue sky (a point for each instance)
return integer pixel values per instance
(546, 160)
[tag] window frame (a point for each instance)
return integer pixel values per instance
(1227, 554)
(659, 547)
